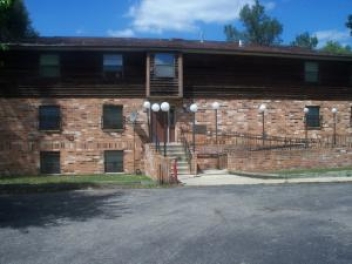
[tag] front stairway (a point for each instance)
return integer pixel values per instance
(176, 150)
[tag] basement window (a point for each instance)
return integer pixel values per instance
(311, 72)
(49, 66)
(50, 162)
(49, 117)
(112, 117)
(113, 161)
(165, 65)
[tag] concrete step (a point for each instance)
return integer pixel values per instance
(175, 150)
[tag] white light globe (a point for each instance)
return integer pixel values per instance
(306, 110)
(215, 105)
(155, 107)
(146, 105)
(165, 106)
(193, 108)
(334, 110)
(262, 108)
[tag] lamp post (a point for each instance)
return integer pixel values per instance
(133, 119)
(261, 110)
(194, 109)
(334, 113)
(216, 106)
(165, 107)
(155, 109)
(306, 111)
(146, 105)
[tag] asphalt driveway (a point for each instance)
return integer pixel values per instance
(226, 224)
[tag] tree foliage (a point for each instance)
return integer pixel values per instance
(349, 23)
(259, 28)
(335, 47)
(15, 23)
(305, 40)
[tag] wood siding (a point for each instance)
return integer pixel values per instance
(196, 76)
(81, 75)
(263, 77)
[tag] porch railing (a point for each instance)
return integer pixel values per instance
(186, 146)
(228, 142)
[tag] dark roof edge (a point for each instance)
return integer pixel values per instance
(175, 45)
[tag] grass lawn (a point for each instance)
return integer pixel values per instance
(337, 172)
(100, 179)
(51, 183)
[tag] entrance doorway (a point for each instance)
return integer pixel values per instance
(163, 126)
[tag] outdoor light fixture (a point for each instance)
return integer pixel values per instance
(306, 111)
(165, 107)
(216, 106)
(261, 110)
(155, 108)
(146, 105)
(194, 109)
(334, 112)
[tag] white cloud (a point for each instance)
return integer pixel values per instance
(126, 33)
(157, 16)
(331, 35)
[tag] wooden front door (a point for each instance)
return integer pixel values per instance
(163, 126)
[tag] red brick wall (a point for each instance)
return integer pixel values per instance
(275, 160)
(81, 141)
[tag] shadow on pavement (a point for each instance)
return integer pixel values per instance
(44, 210)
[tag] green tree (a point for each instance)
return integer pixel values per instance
(305, 40)
(15, 23)
(259, 28)
(335, 47)
(349, 23)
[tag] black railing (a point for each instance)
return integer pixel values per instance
(156, 143)
(186, 146)
(234, 141)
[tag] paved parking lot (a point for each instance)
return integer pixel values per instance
(226, 224)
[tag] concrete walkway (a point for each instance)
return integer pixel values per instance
(222, 177)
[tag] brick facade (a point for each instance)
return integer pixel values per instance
(281, 118)
(82, 142)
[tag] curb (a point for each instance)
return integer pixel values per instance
(53, 187)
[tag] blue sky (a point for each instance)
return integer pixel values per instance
(184, 18)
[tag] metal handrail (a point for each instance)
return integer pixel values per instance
(186, 146)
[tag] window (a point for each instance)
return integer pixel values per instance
(113, 161)
(50, 162)
(49, 65)
(313, 117)
(112, 63)
(112, 117)
(164, 65)
(49, 117)
(311, 70)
